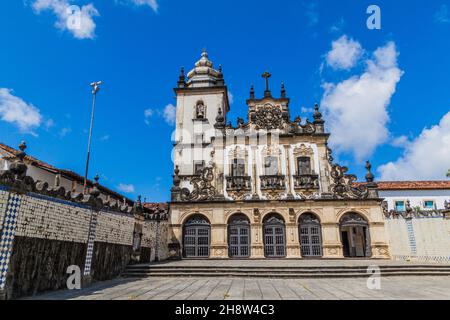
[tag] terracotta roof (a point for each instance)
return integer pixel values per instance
(412, 185)
(29, 158)
(156, 206)
(65, 173)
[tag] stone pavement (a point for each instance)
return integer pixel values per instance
(163, 288)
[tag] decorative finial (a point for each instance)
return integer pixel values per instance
(94, 191)
(220, 120)
(252, 92)
(182, 73)
(317, 115)
(204, 53)
(369, 174)
(283, 90)
(21, 154)
(181, 80)
(220, 68)
(176, 178)
(266, 75)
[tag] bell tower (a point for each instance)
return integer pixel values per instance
(202, 97)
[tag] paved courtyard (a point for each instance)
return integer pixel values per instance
(406, 287)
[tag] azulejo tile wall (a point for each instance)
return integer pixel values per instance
(60, 232)
(7, 234)
(43, 217)
(114, 228)
(3, 202)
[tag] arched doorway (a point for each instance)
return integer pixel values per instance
(196, 237)
(310, 234)
(239, 236)
(355, 236)
(274, 236)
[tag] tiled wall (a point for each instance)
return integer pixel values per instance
(3, 201)
(53, 219)
(49, 234)
(115, 228)
(149, 238)
(422, 239)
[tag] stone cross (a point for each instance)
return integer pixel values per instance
(266, 75)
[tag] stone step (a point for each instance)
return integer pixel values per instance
(279, 275)
(292, 269)
(275, 270)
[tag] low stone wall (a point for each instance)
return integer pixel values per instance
(422, 239)
(41, 236)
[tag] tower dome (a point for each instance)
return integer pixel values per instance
(204, 74)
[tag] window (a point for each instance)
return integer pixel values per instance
(238, 168)
(399, 205)
(271, 166)
(198, 138)
(428, 204)
(304, 165)
(198, 166)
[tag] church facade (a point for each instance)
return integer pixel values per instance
(265, 188)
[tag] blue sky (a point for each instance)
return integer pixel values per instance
(396, 115)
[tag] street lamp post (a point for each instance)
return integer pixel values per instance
(95, 88)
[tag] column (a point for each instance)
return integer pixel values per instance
(256, 241)
(331, 240)
(219, 247)
(292, 241)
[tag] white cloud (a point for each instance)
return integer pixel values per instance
(14, 110)
(338, 26)
(126, 188)
(169, 114)
(426, 157)
(400, 142)
(306, 110)
(151, 3)
(64, 131)
(311, 13)
(442, 15)
(77, 20)
(230, 97)
(49, 123)
(344, 54)
(356, 108)
(105, 137)
(147, 115)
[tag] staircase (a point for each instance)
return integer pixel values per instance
(330, 269)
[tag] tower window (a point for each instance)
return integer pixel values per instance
(238, 168)
(271, 166)
(198, 166)
(304, 165)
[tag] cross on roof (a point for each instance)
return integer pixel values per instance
(266, 75)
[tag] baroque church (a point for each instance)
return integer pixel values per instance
(265, 188)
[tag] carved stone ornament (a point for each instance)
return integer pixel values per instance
(203, 188)
(303, 150)
(269, 117)
(343, 187)
(309, 218)
(351, 219)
